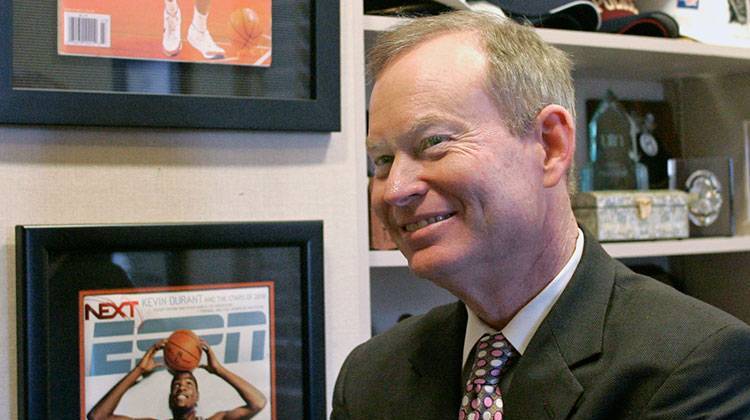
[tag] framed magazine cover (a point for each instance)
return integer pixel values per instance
(110, 317)
(108, 63)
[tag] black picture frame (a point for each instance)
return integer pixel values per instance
(56, 265)
(318, 110)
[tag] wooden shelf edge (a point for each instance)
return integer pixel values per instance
(635, 249)
(381, 23)
(692, 246)
(387, 259)
(598, 40)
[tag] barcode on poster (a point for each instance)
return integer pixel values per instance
(87, 29)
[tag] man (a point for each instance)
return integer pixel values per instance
(183, 393)
(472, 136)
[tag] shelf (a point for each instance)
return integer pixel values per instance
(693, 246)
(627, 57)
(621, 249)
(387, 259)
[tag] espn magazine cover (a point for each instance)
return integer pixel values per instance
(134, 344)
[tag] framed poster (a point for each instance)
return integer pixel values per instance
(155, 321)
(158, 64)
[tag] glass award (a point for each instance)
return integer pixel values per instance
(613, 152)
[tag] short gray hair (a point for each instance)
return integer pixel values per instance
(524, 73)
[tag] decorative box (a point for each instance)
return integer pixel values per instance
(633, 215)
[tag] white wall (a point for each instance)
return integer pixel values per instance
(53, 175)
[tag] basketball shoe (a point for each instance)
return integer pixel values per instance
(171, 41)
(202, 41)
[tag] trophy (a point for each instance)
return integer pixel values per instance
(614, 158)
(709, 181)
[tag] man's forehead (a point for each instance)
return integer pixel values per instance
(183, 377)
(457, 48)
(441, 66)
(425, 86)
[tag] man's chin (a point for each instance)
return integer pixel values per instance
(429, 264)
(180, 406)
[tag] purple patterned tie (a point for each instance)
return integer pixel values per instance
(482, 399)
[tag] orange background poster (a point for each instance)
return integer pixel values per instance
(235, 32)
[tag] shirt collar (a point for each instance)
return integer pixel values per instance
(524, 324)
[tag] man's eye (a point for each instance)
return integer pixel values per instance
(432, 141)
(382, 160)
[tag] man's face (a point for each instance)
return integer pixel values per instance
(456, 191)
(184, 392)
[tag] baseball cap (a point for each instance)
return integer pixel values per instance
(581, 15)
(623, 17)
(708, 21)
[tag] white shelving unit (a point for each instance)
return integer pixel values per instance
(610, 56)
(636, 249)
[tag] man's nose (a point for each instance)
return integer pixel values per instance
(404, 184)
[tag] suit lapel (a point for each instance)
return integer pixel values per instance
(543, 383)
(543, 386)
(436, 368)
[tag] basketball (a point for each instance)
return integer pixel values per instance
(182, 351)
(246, 26)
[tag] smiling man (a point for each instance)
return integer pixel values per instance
(183, 395)
(472, 136)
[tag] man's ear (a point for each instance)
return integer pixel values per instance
(558, 136)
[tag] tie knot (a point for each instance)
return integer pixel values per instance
(491, 355)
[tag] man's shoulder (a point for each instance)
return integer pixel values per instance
(655, 309)
(642, 301)
(658, 297)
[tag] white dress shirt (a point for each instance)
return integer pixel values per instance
(524, 324)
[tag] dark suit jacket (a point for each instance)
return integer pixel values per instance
(616, 345)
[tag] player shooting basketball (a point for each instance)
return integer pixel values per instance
(197, 34)
(183, 393)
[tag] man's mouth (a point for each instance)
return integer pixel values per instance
(181, 397)
(413, 227)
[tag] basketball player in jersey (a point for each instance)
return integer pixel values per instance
(183, 393)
